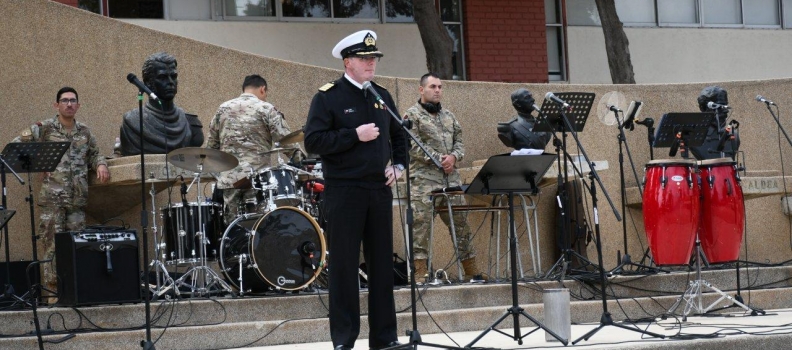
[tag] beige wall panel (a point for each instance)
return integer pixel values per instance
(48, 45)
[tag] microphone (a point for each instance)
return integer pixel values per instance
(142, 87)
(614, 108)
(713, 105)
(184, 192)
(647, 122)
(368, 88)
(761, 98)
(552, 97)
(632, 113)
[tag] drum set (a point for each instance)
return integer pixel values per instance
(274, 243)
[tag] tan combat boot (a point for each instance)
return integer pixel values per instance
(472, 272)
(421, 270)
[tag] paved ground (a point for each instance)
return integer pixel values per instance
(729, 327)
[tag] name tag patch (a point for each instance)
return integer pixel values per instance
(349, 110)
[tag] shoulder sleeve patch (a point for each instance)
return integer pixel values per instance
(326, 87)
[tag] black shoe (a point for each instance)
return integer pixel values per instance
(391, 344)
(342, 347)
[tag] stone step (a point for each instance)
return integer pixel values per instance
(227, 322)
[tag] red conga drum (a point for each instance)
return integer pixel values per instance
(671, 210)
(722, 210)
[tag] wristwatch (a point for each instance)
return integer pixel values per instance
(400, 167)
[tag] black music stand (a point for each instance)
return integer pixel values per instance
(682, 130)
(579, 107)
(34, 157)
(505, 174)
(552, 118)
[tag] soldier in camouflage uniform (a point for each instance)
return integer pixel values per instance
(245, 127)
(64, 192)
(440, 132)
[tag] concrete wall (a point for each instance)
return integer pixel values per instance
(48, 45)
(304, 42)
(684, 55)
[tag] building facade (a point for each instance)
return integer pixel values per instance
(532, 41)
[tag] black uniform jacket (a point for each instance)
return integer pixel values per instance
(336, 110)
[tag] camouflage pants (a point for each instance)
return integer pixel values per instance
(238, 202)
(53, 220)
(422, 210)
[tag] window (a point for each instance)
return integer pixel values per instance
(687, 13)
(761, 13)
(399, 11)
(306, 8)
(721, 12)
(135, 8)
(255, 8)
(356, 9)
(451, 15)
(556, 65)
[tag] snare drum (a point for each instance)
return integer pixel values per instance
(281, 180)
(283, 249)
(671, 210)
(722, 210)
(181, 225)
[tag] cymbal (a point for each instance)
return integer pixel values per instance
(280, 149)
(213, 161)
(296, 136)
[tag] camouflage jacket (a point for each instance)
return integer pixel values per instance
(68, 184)
(441, 134)
(245, 127)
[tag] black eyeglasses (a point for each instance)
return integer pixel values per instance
(67, 101)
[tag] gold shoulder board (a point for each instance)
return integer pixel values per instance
(326, 87)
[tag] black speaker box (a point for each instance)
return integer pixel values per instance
(97, 267)
(18, 279)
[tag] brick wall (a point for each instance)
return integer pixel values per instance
(505, 40)
(68, 2)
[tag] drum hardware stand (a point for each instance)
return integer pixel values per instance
(507, 174)
(625, 259)
(5, 216)
(693, 296)
(555, 117)
(606, 319)
(164, 281)
(202, 277)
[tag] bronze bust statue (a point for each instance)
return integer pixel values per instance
(166, 127)
(518, 133)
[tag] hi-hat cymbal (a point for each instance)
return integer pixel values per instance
(213, 161)
(280, 149)
(296, 136)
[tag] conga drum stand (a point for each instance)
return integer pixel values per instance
(694, 298)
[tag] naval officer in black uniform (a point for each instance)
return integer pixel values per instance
(363, 152)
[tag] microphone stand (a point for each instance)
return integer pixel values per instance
(145, 344)
(625, 260)
(775, 118)
(414, 334)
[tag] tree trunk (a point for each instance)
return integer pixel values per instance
(436, 42)
(616, 44)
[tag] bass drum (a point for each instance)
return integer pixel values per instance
(283, 249)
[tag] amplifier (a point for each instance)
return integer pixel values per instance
(97, 267)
